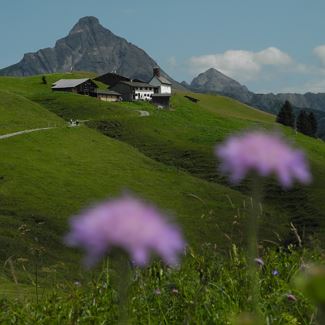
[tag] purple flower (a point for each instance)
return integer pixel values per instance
(265, 154)
(127, 223)
(275, 272)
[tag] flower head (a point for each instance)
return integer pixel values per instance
(127, 223)
(264, 154)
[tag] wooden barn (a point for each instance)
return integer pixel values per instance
(78, 86)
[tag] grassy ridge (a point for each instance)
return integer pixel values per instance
(18, 113)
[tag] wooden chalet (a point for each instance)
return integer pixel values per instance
(78, 86)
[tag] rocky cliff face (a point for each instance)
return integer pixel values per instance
(88, 47)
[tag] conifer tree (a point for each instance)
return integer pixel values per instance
(313, 124)
(302, 123)
(285, 115)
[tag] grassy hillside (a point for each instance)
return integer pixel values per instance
(18, 113)
(166, 157)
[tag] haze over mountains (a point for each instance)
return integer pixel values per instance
(88, 47)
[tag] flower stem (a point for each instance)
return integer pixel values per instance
(253, 242)
(121, 267)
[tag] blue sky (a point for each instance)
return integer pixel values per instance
(276, 45)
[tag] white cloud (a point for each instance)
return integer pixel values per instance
(240, 64)
(319, 51)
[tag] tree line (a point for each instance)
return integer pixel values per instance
(305, 123)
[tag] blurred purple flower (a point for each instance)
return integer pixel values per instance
(265, 154)
(275, 272)
(127, 223)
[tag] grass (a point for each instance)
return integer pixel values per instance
(46, 178)
(18, 113)
(208, 288)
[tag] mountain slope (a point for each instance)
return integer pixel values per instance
(88, 47)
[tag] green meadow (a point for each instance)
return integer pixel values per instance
(166, 158)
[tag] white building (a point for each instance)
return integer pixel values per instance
(164, 85)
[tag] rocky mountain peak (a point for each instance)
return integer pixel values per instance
(89, 47)
(214, 81)
(86, 24)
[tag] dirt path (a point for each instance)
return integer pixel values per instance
(9, 135)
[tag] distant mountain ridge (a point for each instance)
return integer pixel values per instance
(213, 80)
(88, 47)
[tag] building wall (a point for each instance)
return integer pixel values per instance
(143, 94)
(124, 90)
(165, 89)
(161, 101)
(108, 98)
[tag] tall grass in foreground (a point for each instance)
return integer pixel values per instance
(208, 288)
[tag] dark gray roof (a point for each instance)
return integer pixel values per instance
(108, 92)
(137, 84)
(163, 80)
(68, 83)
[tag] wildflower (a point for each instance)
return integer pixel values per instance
(129, 224)
(158, 292)
(174, 290)
(259, 261)
(291, 297)
(275, 272)
(265, 154)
